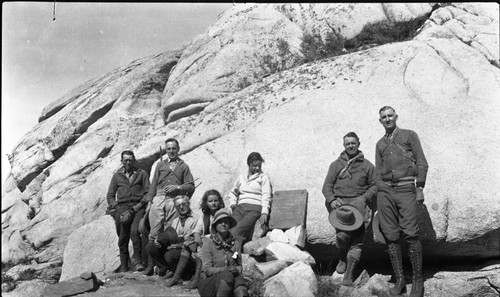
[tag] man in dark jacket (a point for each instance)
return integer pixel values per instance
(350, 180)
(172, 177)
(401, 174)
(126, 197)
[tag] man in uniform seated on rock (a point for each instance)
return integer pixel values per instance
(172, 249)
(171, 177)
(126, 197)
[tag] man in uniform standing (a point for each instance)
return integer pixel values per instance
(401, 173)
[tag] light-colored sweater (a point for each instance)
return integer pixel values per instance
(254, 189)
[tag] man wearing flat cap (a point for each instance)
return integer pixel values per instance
(126, 198)
(401, 174)
(348, 187)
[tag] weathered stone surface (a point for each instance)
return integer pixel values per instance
(295, 280)
(34, 269)
(268, 269)
(32, 288)
(72, 287)
(256, 247)
(277, 235)
(437, 83)
(297, 236)
(248, 266)
(286, 252)
(83, 253)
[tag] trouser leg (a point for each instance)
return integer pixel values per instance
(246, 215)
(136, 238)
(157, 216)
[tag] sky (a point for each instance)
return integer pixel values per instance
(43, 58)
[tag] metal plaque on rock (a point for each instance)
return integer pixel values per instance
(288, 209)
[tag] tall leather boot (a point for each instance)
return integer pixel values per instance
(341, 266)
(150, 268)
(241, 291)
(397, 265)
(123, 262)
(193, 284)
(179, 269)
(351, 264)
(136, 263)
(223, 290)
(417, 286)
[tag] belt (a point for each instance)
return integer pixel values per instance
(404, 181)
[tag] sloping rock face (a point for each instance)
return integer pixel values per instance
(221, 103)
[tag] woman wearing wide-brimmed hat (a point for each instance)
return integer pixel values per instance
(221, 268)
(348, 187)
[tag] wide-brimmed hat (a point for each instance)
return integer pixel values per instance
(378, 236)
(167, 237)
(223, 213)
(346, 217)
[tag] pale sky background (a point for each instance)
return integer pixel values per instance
(43, 59)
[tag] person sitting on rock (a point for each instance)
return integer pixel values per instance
(211, 202)
(126, 198)
(173, 247)
(350, 181)
(250, 198)
(221, 268)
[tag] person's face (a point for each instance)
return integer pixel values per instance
(128, 161)
(213, 203)
(388, 119)
(172, 150)
(223, 225)
(182, 206)
(255, 167)
(351, 146)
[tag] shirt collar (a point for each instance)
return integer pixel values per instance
(122, 170)
(394, 133)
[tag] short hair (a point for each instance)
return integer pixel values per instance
(173, 140)
(386, 108)
(130, 153)
(179, 197)
(254, 156)
(204, 200)
(352, 134)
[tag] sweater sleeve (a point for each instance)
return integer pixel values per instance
(235, 192)
(187, 185)
(145, 185)
(421, 161)
(330, 179)
(266, 194)
(371, 191)
(111, 195)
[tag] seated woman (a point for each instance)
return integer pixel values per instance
(211, 202)
(250, 198)
(221, 262)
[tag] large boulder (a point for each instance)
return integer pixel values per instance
(296, 280)
(84, 253)
(438, 83)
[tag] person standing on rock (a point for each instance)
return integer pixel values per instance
(349, 185)
(127, 198)
(401, 174)
(172, 177)
(250, 198)
(221, 260)
(173, 247)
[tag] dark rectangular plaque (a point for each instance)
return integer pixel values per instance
(288, 209)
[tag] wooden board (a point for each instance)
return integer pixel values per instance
(288, 209)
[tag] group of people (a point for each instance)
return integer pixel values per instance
(396, 181)
(159, 212)
(177, 239)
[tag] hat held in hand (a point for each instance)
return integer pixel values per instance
(377, 232)
(346, 217)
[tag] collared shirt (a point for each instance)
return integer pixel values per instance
(399, 156)
(123, 189)
(191, 223)
(254, 189)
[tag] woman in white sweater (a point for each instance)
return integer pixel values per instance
(250, 198)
